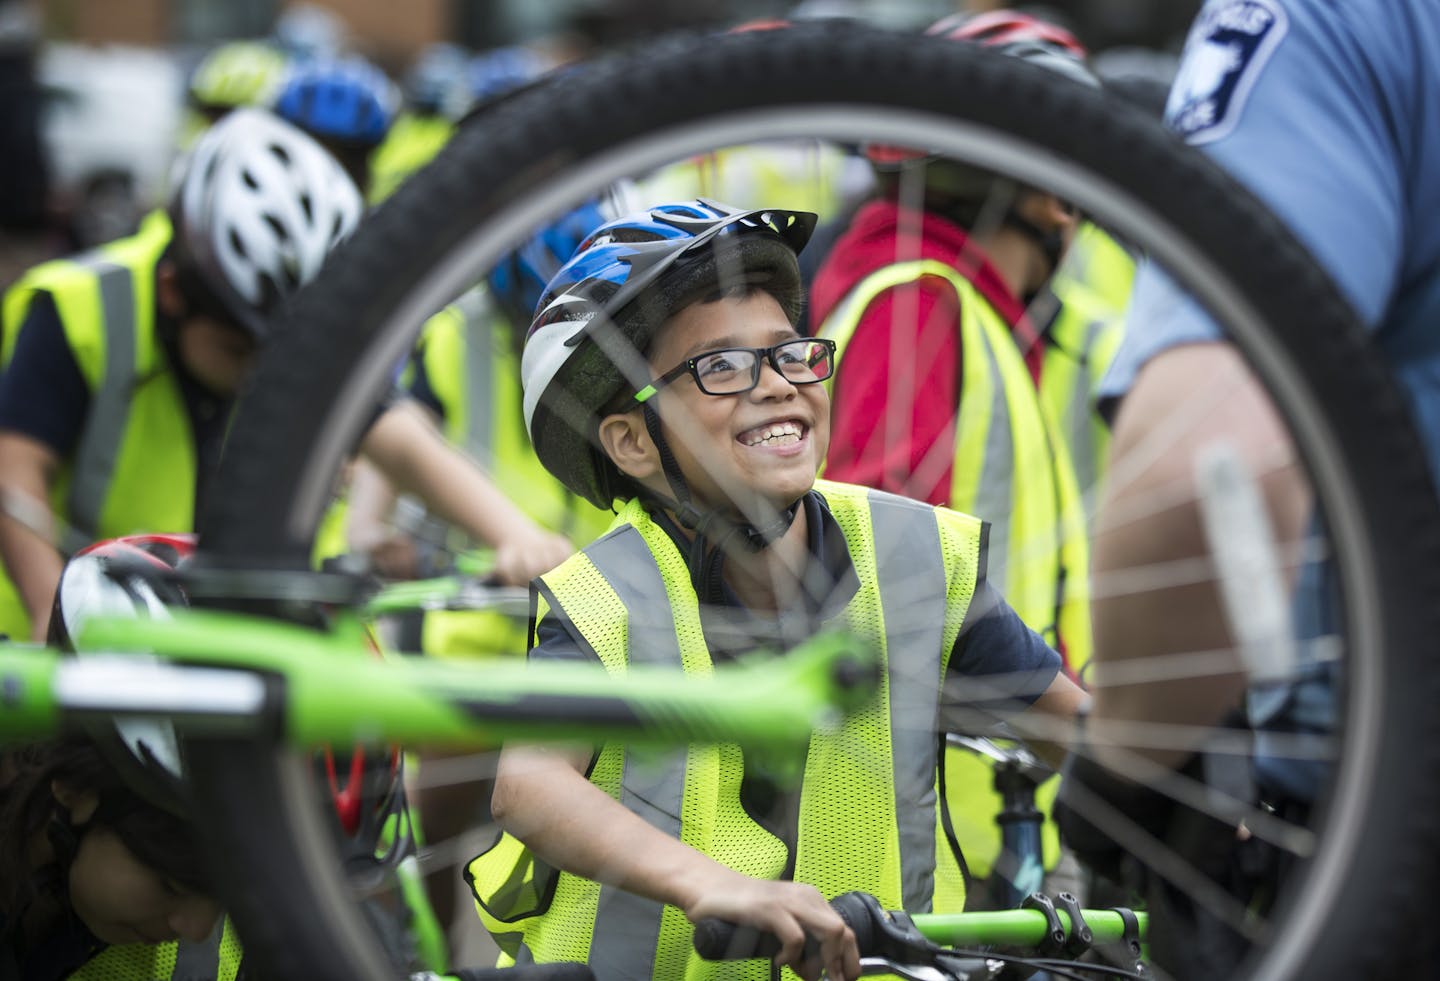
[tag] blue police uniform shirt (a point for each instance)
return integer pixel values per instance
(1328, 112)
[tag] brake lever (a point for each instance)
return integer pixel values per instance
(476, 593)
(891, 942)
(949, 969)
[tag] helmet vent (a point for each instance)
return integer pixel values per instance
(237, 243)
(307, 206)
(249, 178)
(276, 226)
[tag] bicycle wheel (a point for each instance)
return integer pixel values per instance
(1356, 857)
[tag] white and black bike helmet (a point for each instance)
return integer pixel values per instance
(257, 209)
(128, 577)
(140, 576)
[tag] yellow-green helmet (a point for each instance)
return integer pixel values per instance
(237, 73)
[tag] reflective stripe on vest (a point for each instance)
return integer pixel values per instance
(456, 347)
(99, 446)
(885, 755)
(474, 375)
(1093, 288)
(1011, 467)
(216, 958)
(1079, 346)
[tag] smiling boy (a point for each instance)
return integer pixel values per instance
(663, 370)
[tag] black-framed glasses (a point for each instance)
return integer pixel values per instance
(734, 370)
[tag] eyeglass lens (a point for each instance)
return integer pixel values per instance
(729, 372)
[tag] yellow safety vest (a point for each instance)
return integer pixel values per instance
(410, 144)
(215, 959)
(474, 372)
(1092, 288)
(808, 175)
(1011, 468)
(870, 816)
(134, 467)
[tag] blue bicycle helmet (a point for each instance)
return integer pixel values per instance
(519, 280)
(436, 82)
(494, 73)
(309, 31)
(348, 102)
(598, 315)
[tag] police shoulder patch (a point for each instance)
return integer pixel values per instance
(1224, 54)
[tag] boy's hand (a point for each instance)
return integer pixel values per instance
(792, 911)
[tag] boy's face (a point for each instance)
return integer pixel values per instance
(758, 448)
(217, 355)
(123, 901)
(119, 898)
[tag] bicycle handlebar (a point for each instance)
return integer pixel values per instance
(900, 938)
(533, 972)
(720, 940)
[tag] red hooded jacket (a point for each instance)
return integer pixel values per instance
(898, 384)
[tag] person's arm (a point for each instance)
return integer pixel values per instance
(409, 451)
(27, 471)
(369, 528)
(1311, 128)
(1060, 704)
(543, 798)
(1002, 670)
(44, 402)
(1131, 626)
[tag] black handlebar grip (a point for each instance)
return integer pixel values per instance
(859, 910)
(721, 940)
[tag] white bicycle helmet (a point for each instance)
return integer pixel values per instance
(130, 576)
(258, 207)
(140, 576)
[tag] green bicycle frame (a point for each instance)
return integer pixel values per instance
(446, 592)
(226, 672)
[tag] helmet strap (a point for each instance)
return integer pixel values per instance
(690, 517)
(63, 837)
(704, 559)
(1051, 243)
